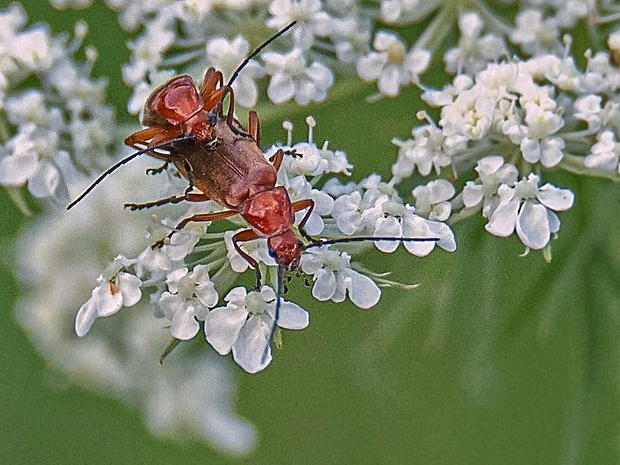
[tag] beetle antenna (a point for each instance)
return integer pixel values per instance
(340, 240)
(253, 54)
(117, 165)
(276, 315)
(247, 60)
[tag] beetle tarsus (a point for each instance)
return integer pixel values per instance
(160, 243)
(158, 170)
(156, 203)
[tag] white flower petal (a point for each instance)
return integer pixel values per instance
(206, 293)
(281, 88)
(533, 225)
(415, 226)
(389, 81)
(530, 148)
(292, 316)
(445, 235)
(15, 170)
(109, 299)
(388, 227)
(504, 218)
(324, 285)
(363, 291)
(251, 350)
(130, 288)
(222, 326)
(472, 194)
(555, 198)
(369, 67)
(45, 181)
(554, 221)
(183, 324)
(321, 75)
(86, 317)
(552, 153)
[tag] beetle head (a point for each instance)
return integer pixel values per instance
(286, 248)
(173, 102)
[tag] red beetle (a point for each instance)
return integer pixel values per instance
(221, 160)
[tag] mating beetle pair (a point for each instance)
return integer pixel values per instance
(223, 162)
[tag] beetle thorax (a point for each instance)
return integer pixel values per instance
(199, 126)
(268, 212)
(286, 248)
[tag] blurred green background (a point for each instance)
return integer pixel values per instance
(495, 358)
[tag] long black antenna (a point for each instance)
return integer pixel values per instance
(254, 53)
(247, 60)
(276, 315)
(117, 165)
(340, 240)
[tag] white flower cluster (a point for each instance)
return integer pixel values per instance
(192, 395)
(62, 122)
(190, 35)
(186, 277)
(512, 120)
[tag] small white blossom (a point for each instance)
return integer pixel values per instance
(432, 199)
(291, 78)
(588, 108)
(351, 36)
(401, 221)
(493, 173)
(429, 149)
(314, 161)
(357, 212)
(299, 188)
(188, 299)
(147, 52)
(530, 210)
(257, 249)
(535, 138)
(474, 51)
(245, 325)
(391, 65)
(401, 11)
(311, 19)
(115, 289)
(226, 56)
(182, 242)
(535, 34)
(333, 278)
(604, 153)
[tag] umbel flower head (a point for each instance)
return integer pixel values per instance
(515, 106)
(181, 275)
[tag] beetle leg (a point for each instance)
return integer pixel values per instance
(139, 140)
(210, 83)
(150, 137)
(159, 169)
(243, 236)
(166, 135)
(276, 158)
(254, 126)
(199, 217)
(231, 107)
(300, 205)
(189, 196)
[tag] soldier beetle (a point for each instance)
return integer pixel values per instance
(223, 162)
